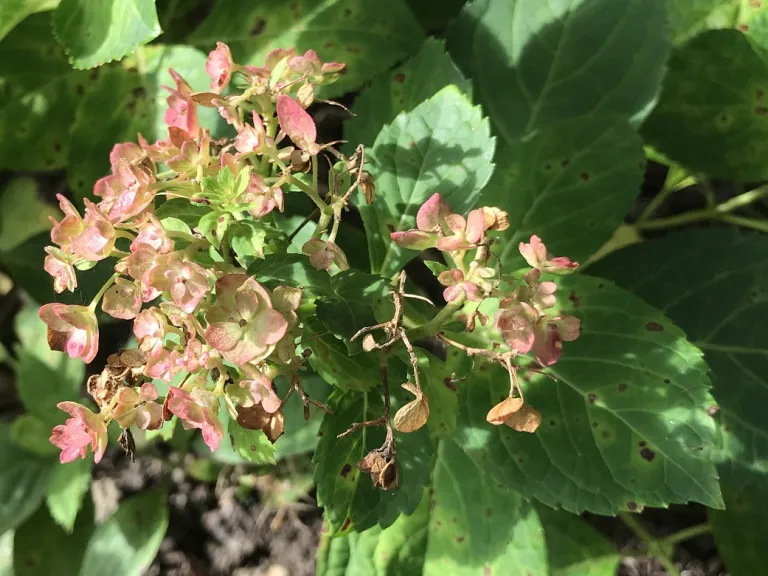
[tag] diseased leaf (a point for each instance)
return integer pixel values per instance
(368, 37)
(128, 541)
(40, 93)
(22, 213)
(624, 426)
(94, 33)
(571, 185)
(401, 90)
(574, 548)
(301, 435)
(251, 445)
(292, 270)
(465, 525)
(690, 17)
(443, 144)
(347, 494)
(713, 115)
(14, 11)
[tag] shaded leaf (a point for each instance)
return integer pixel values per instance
(713, 116)
(401, 90)
(690, 17)
(14, 11)
(126, 543)
(443, 144)
(251, 445)
(22, 213)
(347, 494)
(301, 435)
(624, 426)
(292, 270)
(368, 37)
(32, 434)
(94, 33)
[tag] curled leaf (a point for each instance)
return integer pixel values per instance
(275, 427)
(413, 415)
(527, 419)
(381, 464)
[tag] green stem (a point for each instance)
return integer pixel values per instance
(102, 291)
(652, 546)
(716, 212)
(434, 325)
(752, 223)
(671, 185)
(687, 534)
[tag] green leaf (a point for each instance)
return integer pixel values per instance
(23, 481)
(128, 541)
(351, 305)
(40, 93)
(574, 548)
(570, 184)
(624, 426)
(687, 18)
(42, 548)
(293, 270)
(182, 209)
(32, 434)
(465, 525)
(300, 435)
(22, 213)
(68, 486)
(41, 386)
(538, 64)
(251, 445)
(14, 11)
(248, 239)
(401, 90)
(331, 360)
(716, 300)
(347, 494)
(94, 33)
(434, 15)
(368, 37)
(6, 554)
(713, 116)
(442, 144)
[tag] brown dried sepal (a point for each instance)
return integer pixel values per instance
(527, 419)
(369, 343)
(504, 410)
(253, 417)
(275, 427)
(495, 218)
(381, 464)
(367, 186)
(128, 444)
(413, 415)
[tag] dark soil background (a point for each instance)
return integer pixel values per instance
(218, 528)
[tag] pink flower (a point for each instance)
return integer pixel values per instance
(322, 254)
(180, 319)
(150, 328)
(251, 138)
(58, 265)
(71, 329)
(74, 436)
(242, 325)
(537, 256)
(311, 65)
(70, 226)
(259, 198)
(286, 300)
(97, 239)
(192, 155)
(194, 356)
(456, 286)
(139, 407)
(517, 323)
(297, 124)
(182, 110)
(466, 234)
(160, 151)
(122, 299)
(219, 67)
(540, 294)
(163, 364)
(260, 391)
(152, 233)
(138, 266)
(187, 282)
(198, 409)
(550, 333)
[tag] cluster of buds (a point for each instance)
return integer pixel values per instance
(524, 320)
(196, 312)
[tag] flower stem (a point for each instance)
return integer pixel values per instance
(716, 212)
(432, 326)
(752, 223)
(688, 533)
(100, 293)
(652, 546)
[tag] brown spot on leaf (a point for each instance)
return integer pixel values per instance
(592, 397)
(574, 298)
(345, 525)
(641, 443)
(712, 410)
(743, 27)
(654, 327)
(667, 381)
(489, 512)
(648, 454)
(459, 539)
(605, 434)
(399, 78)
(761, 110)
(565, 163)
(79, 89)
(632, 506)
(594, 424)
(346, 469)
(353, 49)
(391, 227)
(584, 176)
(486, 570)
(258, 27)
(551, 422)
(622, 387)
(449, 384)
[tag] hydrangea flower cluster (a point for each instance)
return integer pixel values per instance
(203, 321)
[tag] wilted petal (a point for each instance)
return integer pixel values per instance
(219, 67)
(432, 213)
(413, 239)
(295, 122)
